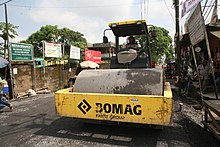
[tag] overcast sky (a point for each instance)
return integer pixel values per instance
(90, 17)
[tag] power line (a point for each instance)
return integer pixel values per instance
(144, 8)
(168, 10)
(210, 10)
(68, 7)
(206, 10)
(145, 14)
(5, 2)
(141, 9)
(205, 5)
(209, 6)
(147, 8)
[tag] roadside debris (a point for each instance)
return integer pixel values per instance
(31, 92)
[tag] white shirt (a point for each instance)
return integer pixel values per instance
(203, 71)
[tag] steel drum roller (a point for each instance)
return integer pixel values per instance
(120, 81)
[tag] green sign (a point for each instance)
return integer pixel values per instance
(21, 52)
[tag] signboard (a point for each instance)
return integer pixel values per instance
(91, 55)
(188, 5)
(74, 52)
(21, 52)
(196, 26)
(53, 50)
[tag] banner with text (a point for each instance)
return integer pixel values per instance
(53, 50)
(196, 26)
(21, 52)
(188, 5)
(91, 55)
(74, 52)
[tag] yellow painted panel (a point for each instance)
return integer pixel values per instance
(126, 22)
(145, 109)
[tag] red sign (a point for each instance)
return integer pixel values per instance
(91, 55)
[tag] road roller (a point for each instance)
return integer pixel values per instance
(131, 91)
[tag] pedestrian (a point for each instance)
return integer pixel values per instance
(189, 80)
(3, 101)
(203, 70)
(5, 88)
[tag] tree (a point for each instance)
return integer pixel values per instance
(11, 32)
(51, 33)
(161, 45)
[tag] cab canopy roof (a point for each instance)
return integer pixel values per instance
(127, 28)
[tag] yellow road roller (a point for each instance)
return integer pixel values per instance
(129, 92)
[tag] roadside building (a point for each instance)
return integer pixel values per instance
(107, 51)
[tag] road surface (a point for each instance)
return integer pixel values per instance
(35, 123)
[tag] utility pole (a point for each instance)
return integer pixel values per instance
(44, 64)
(6, 29)
(177, 42)
(9, 53)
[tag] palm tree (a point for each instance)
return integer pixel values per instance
(11, 33)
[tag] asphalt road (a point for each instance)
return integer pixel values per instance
(35, 123)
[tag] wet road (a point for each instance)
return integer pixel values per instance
(35, 123)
